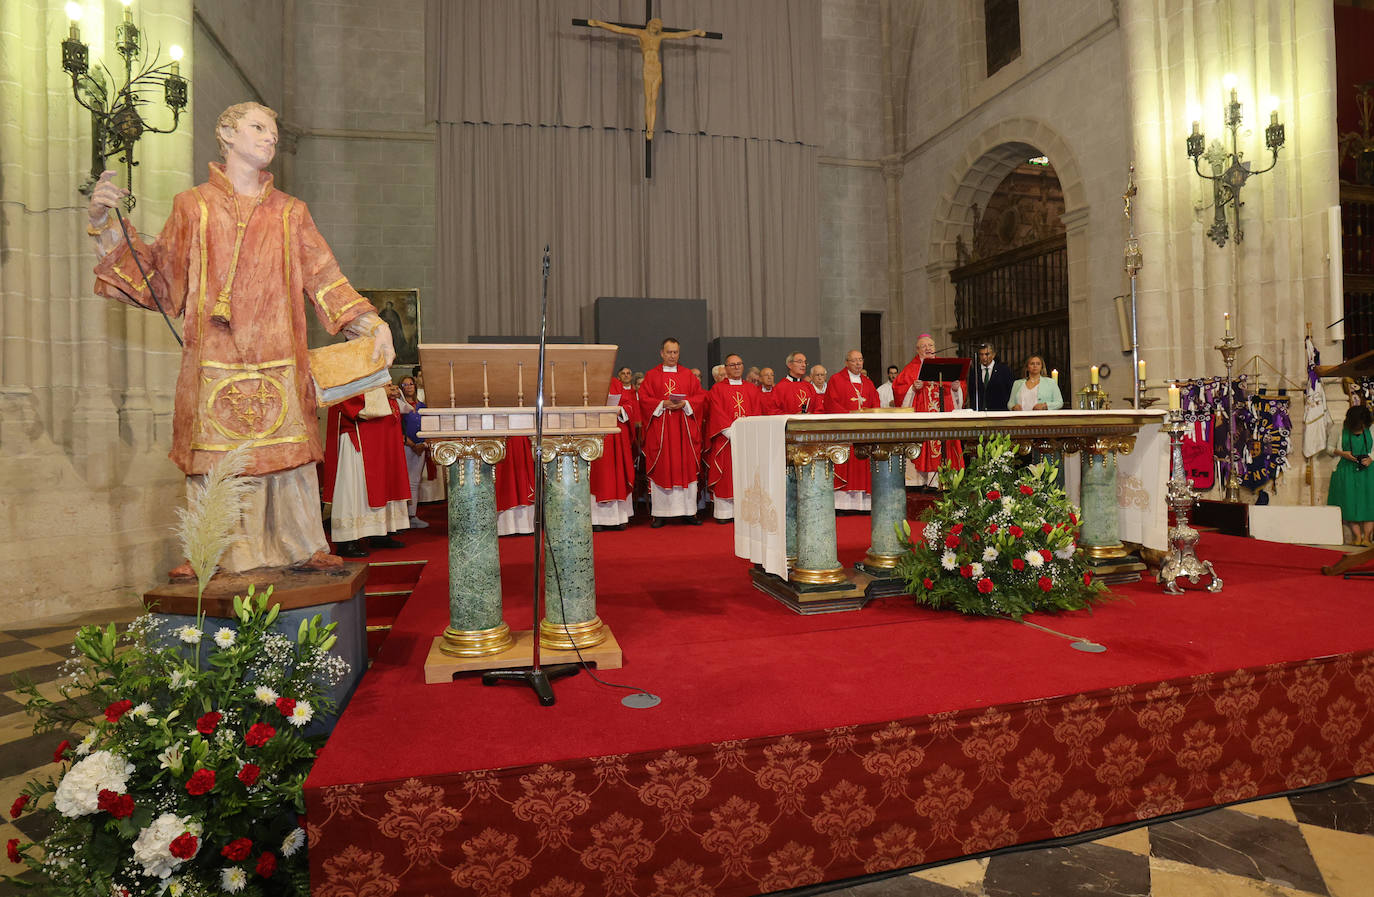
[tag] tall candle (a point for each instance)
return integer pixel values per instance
(1092, 375)
(1227, 316)
(1173, 397)
(1054, 375)
(1140, 370)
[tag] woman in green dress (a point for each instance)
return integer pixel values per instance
(1352, 482)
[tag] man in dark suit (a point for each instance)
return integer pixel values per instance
(989, 381)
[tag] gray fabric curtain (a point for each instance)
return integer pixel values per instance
(540, 141)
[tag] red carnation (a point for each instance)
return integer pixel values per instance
(957, 528)
(237, 849)
(1074, 518)
(249, 774)
(985, 585)
(1047, 528)
(1018, 564)
(120, 806)
(12, 848)
(118, 709)
(1016, 531)
(928, 583)
(1046, 554)
(1026, 490)
(201, 781)
(207, 723)
(259, 734)
(22, 800)
(184, 846)
(1087, 577)
(966, 571)
(57, 755)
(994, 495)
(1046, 583)
(286, 705)
(267, 864)
(951, 541)
(992, 527)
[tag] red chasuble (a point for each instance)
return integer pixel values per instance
(795, 397)
(515, 475)
(380, 443)
(613, 474)
(929, 396)
(841, 397)
(724, 404)
(672, 440)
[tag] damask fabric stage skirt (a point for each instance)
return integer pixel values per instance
(771, 764)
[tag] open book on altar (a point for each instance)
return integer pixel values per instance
(343, 370)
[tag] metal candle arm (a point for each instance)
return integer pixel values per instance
(1227, 182)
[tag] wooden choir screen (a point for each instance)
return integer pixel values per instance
(1357, 256)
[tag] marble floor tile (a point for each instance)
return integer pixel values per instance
(1084, 870)
(1171, 879)
(1267, 850)
(1136, 840)
(961, 875)
(1272, 807)
(904, 886)
(1349, 808)
(1346, 860)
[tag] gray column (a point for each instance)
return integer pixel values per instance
(569, 576)
(475, 626)
(818, 561)
(887, 464)
(1098, 533)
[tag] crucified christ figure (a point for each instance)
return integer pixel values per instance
(650, 36)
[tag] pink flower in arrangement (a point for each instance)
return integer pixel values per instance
(1027, 490)
(985, 585)
(183, 846)
(1047, 554)
(201, 781)
(928, 583)
(951, 541)
(61, 751)
(207, 723)
(267, 864)
(1017, 564)
(1046, 583)
(118, 709)
(994, 495)
(1016, 531)
(966, 571)
(22, 800)
(286, 705)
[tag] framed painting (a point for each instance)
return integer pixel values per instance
(401, 311)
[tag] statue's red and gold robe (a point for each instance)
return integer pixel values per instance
(929, 396)
(247, 381)
(842, 395)
(725, 403)
(672, 440)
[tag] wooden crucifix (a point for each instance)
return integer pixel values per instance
(650, 35)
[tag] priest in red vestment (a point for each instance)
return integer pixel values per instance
(849, 390)
(613, 474)
(670, 399)
(729, 400)
(365, 475)
(908, 392)
(515, 488)
(794, 394)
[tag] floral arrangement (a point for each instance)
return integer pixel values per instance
(1001, 542)
(189, 778)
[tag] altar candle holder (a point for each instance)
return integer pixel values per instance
(1182, 559)
(1228, 347)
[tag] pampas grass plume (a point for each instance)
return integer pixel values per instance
(212, 511)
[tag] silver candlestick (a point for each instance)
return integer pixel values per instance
(1228, 347)
(1182, 560)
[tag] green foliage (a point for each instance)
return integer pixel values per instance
(157, 724)
(1001, 541)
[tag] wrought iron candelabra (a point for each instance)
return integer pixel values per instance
(116, 120)
(1229, 172)
(1182, 559)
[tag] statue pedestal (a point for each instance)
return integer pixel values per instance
(337, 596)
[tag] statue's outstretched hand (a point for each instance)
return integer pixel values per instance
(105, 196)
(384, 347)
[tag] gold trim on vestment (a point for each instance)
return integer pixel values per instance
(263, 380)
(249, 365)
(347, 306)
(204, 262)
(286, 246)
(251, 443)
(324, 291)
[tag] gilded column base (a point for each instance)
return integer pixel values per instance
(881, 561)
(475, 642)
(567, 636)
(1099, 552)
(818, 577)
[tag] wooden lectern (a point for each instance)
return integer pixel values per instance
(478, 395)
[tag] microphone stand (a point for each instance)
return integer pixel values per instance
(536, 677)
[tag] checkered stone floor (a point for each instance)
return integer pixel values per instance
(1316, 844)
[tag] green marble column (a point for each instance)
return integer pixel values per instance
(887, 464)
(569, 577)
(1098, 531)
(475, 627)
(791, 515)
(818, 562)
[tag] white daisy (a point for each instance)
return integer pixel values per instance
(949, 560)
(224, 637)
(1066, 552)
(989, 554)
(233, 879)
(189, 634)
(293, 842)
(142, 710)
(975, 570)
(84, 747)
(265, 695)
(301, 714)
(1033, 558)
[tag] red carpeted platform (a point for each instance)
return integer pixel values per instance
(790, 750)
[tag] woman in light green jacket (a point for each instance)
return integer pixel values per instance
(1034, 392)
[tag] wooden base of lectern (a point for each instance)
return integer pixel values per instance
(441, 667)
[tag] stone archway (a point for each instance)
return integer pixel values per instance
(972, 178)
